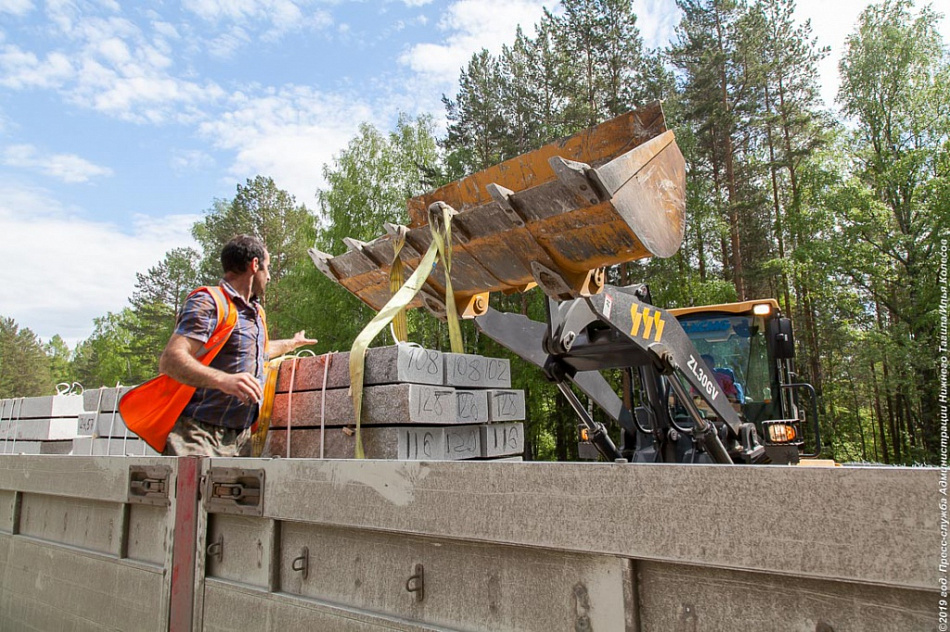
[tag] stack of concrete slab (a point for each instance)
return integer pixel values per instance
(105, 430)
(418, 404)
(39, 425)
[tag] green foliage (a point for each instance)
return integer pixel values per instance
(478, 127)
(169, 282)
(61, 368)
(895, 77)
(106, 357)
(602, 54)
(583, 66)
(259, 208)
(24, 367)
(368, 184)
(369, 181)
(155, 301)
(287, 229)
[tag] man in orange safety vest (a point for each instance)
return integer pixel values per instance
(217, 420)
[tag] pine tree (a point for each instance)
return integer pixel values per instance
(705, 53)
(60, 360)
(602, 52)
(24, 367)
(477, 132)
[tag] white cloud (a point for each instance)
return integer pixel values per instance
(20, 69)
(467, 27)
(141, 99)
(287, 134)
(113, 68)
(166, 30)
(185, 161)
(114, 51)
(656, 20)
(66, 167)
(225, 45)
(126, 75)
(278, 11)
(64, 270)
(273, 18)
(16, 7)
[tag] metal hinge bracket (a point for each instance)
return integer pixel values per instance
(235, 491)
(149, 484)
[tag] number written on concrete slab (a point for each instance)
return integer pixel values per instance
(502, 439)
(506, 403)
(511, 437)
(461, 442)
(468, 409)
(436, 401)
(469, 367)
(422, 445)
(424, 360)
(497, 370)
(87, 423)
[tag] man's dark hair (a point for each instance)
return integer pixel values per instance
(240, 251)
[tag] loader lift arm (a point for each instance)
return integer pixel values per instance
(619, 328)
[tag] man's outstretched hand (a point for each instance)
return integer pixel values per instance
(300, 340)
(280, 347)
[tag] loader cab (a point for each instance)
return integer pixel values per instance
(751, 348)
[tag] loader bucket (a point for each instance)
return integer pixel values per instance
(552, 217)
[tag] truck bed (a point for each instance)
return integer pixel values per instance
(98, 543)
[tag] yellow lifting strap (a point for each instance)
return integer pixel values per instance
(440, 224)
(400, 326)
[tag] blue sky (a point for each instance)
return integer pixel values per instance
(121, 123)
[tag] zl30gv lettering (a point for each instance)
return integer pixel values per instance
(709, 384)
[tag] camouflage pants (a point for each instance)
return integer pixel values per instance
(190, 437)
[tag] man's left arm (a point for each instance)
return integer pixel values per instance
(280, 347)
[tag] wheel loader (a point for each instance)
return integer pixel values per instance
(555, 218)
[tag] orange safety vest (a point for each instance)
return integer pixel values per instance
(150, 410)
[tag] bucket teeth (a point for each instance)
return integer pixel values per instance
(322, 261)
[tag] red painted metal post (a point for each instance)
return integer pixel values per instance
(182, 600)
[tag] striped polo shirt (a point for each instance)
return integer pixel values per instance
(243, 351)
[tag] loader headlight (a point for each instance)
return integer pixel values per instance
(762, 309)
(783, 432)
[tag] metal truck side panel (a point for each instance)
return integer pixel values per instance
(96, 544)
(464, 586)
(233, 607)
(549, 546)
(53, 587)
(76, 551)
(818, 523)
(693, 598)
